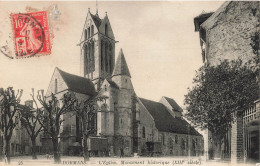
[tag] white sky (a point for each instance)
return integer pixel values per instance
(158, 40)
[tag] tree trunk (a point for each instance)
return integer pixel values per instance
(1, 151)
(7, 151)
(34, 156)
(56, 153)
(85, 148)
(84, 121)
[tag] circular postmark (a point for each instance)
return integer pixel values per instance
(29, 35)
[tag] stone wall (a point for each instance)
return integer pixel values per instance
(61, 85)
(229, 35)
(68, 127)
(105, 122)
(175, 144)
(147, 132)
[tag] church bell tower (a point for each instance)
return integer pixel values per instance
(97, 45)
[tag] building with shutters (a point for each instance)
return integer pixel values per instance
(20, 143)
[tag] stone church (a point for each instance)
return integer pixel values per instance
(129, 123)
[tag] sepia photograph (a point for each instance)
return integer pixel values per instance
(132, 83)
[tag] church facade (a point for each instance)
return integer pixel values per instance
(129, 123)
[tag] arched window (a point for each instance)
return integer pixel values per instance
(56, 85)
(170, 142)
(102, 56)
(162, 139)
(143, 132)
(182, 144)
(93, 57)
(106, 56)
(90, 57)
(92, 30)
(171, 145)
(92, 122)
(86, 34)
(106, 29)
(86, 52)
(111, 58)
(176, 139)
(193, 144)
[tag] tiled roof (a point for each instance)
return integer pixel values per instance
(78, 84)
(121, 67)
(164, 121)
(173, 103)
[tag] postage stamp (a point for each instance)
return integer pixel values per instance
(31, 34)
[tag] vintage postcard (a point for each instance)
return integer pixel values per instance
(133, 83)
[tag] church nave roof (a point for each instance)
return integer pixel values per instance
(78, 84)
(165, 122)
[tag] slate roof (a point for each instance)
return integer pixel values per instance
(112, 84)
(96, 20)
(78, 84)
(200, 19)
(165, 122)
(121, 67)
(173, 103)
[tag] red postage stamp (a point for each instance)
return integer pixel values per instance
(31, 34)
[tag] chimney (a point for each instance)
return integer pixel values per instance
(29, 103)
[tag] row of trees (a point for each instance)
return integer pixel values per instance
(47, 118)
(9, 106)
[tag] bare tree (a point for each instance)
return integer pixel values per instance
(9, 106)
(52, 117)
(31, 120)
(86, 112)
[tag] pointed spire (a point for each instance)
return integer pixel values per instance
(121, 67)
(96, 7)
